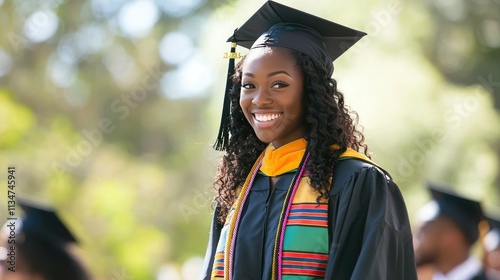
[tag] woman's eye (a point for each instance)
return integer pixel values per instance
(247, 86)
(279, 85)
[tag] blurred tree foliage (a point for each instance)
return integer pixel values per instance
(84, 121)
(465, 47)
(100, 124)
(465, 44)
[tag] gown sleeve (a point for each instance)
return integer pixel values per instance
(370, 234)
(213, 240)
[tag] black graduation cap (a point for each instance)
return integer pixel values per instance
(492, 239)
(277, 25)
(494, 223)
(464, 212)
(43, 220)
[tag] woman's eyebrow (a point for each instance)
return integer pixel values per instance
(268, 75)
(278, 72)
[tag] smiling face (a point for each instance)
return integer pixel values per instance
(272, 95)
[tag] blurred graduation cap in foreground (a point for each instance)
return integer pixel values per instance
(277, 25)
(464, 212)
(44, 247)
(43, 221)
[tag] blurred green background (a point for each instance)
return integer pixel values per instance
(109, 108)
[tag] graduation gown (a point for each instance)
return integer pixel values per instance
(366, 235)
(481, 276)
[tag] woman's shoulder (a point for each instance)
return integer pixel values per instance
(351, 166)
(359, 171)
(351, 162)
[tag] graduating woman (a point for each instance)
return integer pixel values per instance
(295, 199)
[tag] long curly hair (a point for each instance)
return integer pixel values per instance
(328, 122)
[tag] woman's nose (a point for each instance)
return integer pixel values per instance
(262, 98)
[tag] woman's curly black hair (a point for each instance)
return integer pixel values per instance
(328, 122)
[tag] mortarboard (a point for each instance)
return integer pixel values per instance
(464, 212)
(492, 239)
(43, 221)
(277, 25)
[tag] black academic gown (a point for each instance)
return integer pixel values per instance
(481, 276)
(369, 230)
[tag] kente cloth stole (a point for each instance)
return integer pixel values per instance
(306, 219)
(301, 243)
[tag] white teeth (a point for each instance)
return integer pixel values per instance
(266, 117)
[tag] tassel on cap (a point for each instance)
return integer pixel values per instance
(223, 136)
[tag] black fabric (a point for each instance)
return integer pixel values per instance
(260, 215)
(253, 252)
(296, 37)
(368, 224)
(213, 240)
(481, 276)
(494, 222)
(334, 38)
(371, 231)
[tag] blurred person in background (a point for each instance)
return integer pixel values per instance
(492, 250)
(449, 227)
(43, 247)
(295, 197)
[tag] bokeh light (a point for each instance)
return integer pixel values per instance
(121, 65)
(490, 33)
(77, 95)
(454, 10)
(192, 79)
(191, 268)
(41, 26)
(5, 62)
(61, 72)
(137, 17)
(106, 8)
(168, 272)
(178, 8)
(175, 47)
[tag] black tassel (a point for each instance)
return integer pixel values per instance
(223, 136)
